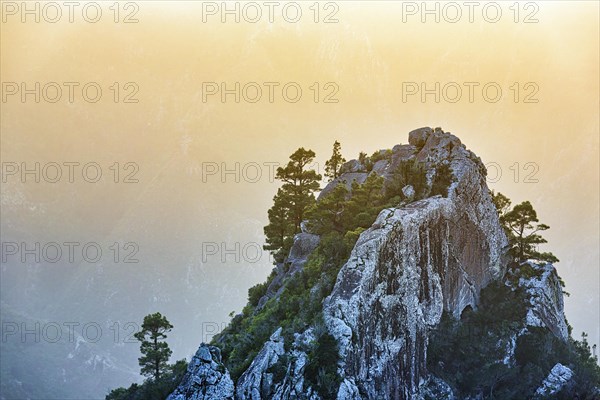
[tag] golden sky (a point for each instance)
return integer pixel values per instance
(372, 55)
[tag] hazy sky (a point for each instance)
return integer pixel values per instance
(371, 61)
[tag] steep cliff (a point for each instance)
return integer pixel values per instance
(546, 300)
(430, 254)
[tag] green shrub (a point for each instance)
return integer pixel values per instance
(279, 369)
(381, 155)
(408, 172)
(465, 352)
(152, 389)
(441, 181)
(321, 369)
(256, 292)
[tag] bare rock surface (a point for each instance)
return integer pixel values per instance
(206, 377)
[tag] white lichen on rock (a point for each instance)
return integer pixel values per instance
(206, 378)
(546, 308)
(558, 377)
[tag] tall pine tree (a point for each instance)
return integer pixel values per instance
(333, 165)
(299, 184)
(293, 199)
(280, 232)
(155, 352)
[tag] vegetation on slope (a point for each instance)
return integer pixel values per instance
(338, 218)
(466, 353)
(152, 389)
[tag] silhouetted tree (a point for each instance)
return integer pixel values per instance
(294, 197)
(155, 352)
(279, 232)
(333, 165)
(521, 225)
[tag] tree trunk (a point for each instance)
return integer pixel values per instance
(157, 361)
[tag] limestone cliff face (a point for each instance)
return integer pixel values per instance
(413, 263)
(417, 260)
(546, 300)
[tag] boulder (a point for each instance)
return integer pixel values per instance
(408, 191)
(418, 137)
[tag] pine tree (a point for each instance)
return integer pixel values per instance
(299, 184)
(364, 205)
(293, 199)
(328, 214)
(155, 352)
(521, 227)
(280, 231)
(369, 193)
(333, 165)
(501, 202)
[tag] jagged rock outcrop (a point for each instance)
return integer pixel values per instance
(413, 263)
(257, 382)
(304, 244)
(206, 377)
(435, 388)
(546, 300)
(293, 385)
(558, 377)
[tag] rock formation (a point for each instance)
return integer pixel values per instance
(417, 260)
(413, 263)
(206, 377)
(546, 299)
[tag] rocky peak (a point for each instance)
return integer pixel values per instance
(428, 147)
(413, 263)
(206, 377)
(416, 261)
